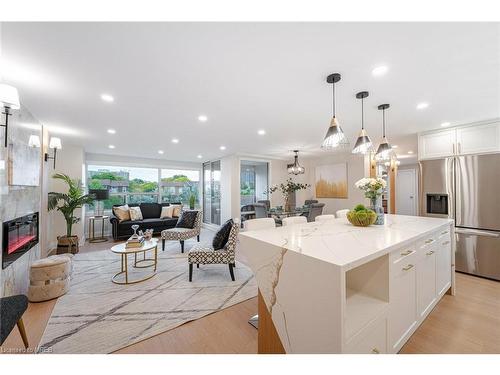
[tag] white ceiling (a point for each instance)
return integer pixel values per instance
(246, 77)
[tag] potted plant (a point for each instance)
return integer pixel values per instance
(67, 203)
(192, 201)
(288, 188)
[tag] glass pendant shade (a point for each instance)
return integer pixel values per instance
(384, 150)
(335, 137)
(363, 144)
(296, 168)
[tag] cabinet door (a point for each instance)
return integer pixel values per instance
(443, 264)
(403, 307)
(436, 145)
(478, 139)
(426, 280)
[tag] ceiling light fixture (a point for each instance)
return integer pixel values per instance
(380, 70)
(394, 146)
(9, 100)
(111, 131)
(107, 98)
(261, 132)
(363, 143)
(111, 146)
(202, 118)
(296, 168)
(384, 150)
(175, 140)
(410, 152)
(199, 156)
(160, 152)
(445, 124)
(222, 148)
(422, 105)
(335, 137)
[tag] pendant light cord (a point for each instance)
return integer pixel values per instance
(334, 109)
(383, 121)
(362, 114)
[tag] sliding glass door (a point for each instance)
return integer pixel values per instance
(211, 192)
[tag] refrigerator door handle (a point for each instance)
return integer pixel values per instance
(476, 232)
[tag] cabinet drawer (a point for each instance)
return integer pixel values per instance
(371, 340)
(402, 254)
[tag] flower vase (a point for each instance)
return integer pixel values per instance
(376, 206)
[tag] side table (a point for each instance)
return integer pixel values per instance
(92, 220)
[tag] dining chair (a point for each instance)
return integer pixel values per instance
(325, 218)
(308, 202)
(260, 210)
(267, 202)
(258, 224)
(293, 220)
(315, 209)
(341, 213)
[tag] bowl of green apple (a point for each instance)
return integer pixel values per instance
(361, 216)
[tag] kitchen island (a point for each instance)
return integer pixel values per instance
(331, 287)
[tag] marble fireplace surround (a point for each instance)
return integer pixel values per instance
(17, 201)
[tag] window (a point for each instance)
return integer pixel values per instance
(253, 181)
(144, 185)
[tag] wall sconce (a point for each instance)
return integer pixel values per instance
(55, 144)
(34, 141)
(9, 99)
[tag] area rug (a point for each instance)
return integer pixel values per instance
(98, 316)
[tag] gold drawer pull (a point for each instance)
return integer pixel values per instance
(407, 252)
(375, 351)
(445, 232)
(430, 253)
(446, 243)
(429, 241)
(408, 267)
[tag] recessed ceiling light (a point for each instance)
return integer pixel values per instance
(175, 140)
(422, 105)
(107, 98)
(380, 70)
(111, 146)
(261, 132)
(202, 118)
(199, 156)
(410, 152)
(395, 146)
(160, 152)
(111, 131)
(222, 148)
(445, 124)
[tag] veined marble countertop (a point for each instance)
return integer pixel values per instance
(345, 245)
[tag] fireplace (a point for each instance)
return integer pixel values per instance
(19, 235)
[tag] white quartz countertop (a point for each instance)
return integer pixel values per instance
(342, 244)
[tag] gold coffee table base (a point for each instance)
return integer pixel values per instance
(152, 262)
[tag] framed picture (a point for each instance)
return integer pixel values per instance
(331, 181)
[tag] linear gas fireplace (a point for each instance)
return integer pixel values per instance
(19, 235)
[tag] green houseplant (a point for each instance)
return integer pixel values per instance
(192, 201)
(67, 203)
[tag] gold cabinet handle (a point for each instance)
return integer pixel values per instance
(445, 232)
(408, 267)
(430, 252)
(430, 240)
(375, 351)
(446, 243)
(407, 252)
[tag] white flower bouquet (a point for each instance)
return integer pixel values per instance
(373, 187)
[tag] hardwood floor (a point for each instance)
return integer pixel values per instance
(466, 323)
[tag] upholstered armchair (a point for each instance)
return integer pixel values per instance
(206, 254)
(182, 234)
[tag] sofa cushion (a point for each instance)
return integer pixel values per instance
(167, 212)
(187, 219)
(222, 236)
(122, 213)
(135, 214)
(150, 210)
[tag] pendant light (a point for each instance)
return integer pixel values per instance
(335, 137)
(363, 143)
(384, 150)
(296, 168)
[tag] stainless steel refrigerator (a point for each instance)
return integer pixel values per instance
(467, 189)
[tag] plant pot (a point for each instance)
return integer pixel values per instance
(191, 207)
(67, 244)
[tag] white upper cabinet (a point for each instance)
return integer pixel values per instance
(478, 139)
(436, 145)
(463, 140)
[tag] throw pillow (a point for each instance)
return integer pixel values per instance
(135, 213)
(177, 210)
(187, 220)
(122, 213)
(222, 236)
(167, 212)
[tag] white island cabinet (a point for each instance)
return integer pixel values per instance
(330, 287)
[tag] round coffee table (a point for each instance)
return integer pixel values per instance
(141, 263)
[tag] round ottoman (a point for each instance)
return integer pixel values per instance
(49, 277)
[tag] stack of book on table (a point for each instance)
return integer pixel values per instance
(134, 242)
